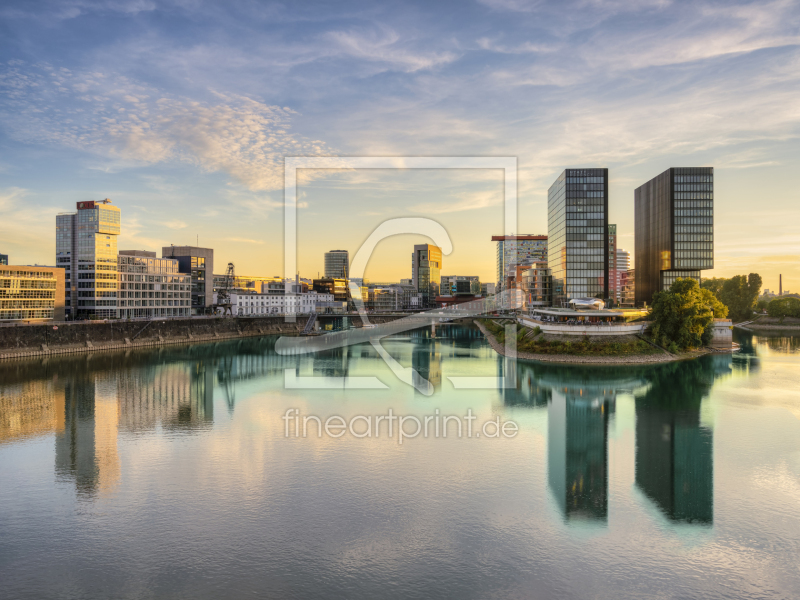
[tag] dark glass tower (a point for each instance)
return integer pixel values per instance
(577, 231)
(674, 220)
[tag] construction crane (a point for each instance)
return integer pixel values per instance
(224, 292)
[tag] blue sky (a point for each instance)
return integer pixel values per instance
(182, 112)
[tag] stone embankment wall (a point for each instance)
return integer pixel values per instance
(42, 340)
(90, 336)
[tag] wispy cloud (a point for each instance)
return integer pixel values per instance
(384, 45)
(108, 114)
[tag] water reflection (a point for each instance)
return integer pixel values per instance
(86, 401)
(674, 452)
(577, 452)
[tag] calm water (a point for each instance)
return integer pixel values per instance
(167, 473)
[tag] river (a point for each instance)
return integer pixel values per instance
(184, 472)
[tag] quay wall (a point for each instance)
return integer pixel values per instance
(48, 338)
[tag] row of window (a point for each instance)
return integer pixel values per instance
(27, 293)
(14, 314)
(157, 303)
(30, 284)
(18, 303)
(171, 287)
(694, 212)
(708, 196)
(26, 274)
(154, 295)
(694, 229)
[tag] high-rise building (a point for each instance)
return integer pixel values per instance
(577, 230)
(674, 236)
(337, 264)
(462, 285)
(3, 259)
(513, 250)
(426, 266)
(86, 248)
(623, 264)
(613, 289)
(31, 293)
(199, 263)
(152, 287)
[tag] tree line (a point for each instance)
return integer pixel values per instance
(683, 316)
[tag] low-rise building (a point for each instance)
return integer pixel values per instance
(250, 304)
(460, 285)
(151, 287)
(536, 283)
(31, 293)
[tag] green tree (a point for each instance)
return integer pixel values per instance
(714, 285)
(784, 307)
(684, 315)
(739, 294)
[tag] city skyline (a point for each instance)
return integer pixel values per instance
(188, 136)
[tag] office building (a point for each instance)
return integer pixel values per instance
(248, 283)
(151, 287)
(674, 235)
(31, 293)
(460, 285)
(3, 259)
(335, 286)
(426, 266)
(337, 264)
(628, 288)
(536, 283)
(199, 263)
(577, 230)
(623, 264)
(513, 250)
(487, 289)
(613, 290)
(86, 248)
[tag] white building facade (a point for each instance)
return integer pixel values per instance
(247, 304)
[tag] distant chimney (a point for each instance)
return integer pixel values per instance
(780, 285)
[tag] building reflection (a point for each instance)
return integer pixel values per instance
(426, 360)
(86, 446)
(577, 451)
(674, 451)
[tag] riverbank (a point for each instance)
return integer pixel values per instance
(790, 325)
(49, 339)
(657, 356)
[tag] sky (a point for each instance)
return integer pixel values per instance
(182, 111)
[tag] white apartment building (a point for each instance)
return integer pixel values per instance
(150, 287)
(248, 304)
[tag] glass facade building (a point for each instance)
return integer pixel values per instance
(337, 264)
(674, 227)
(86, 248)
(426, 266)
(513, 250)
(31, 293)
(577, 228)
(199, 263)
